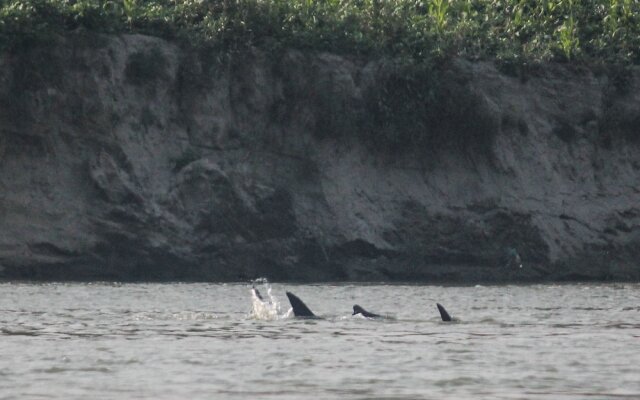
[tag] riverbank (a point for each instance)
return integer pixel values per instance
(129, 157)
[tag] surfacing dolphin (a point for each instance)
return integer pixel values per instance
(299, 308)
(256, 293)
(443, 313)
(359, 310)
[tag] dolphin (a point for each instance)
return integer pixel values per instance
(443, 313)
(299, 308)
(359, 310)
(256, 293)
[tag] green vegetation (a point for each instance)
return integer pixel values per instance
(511, 30)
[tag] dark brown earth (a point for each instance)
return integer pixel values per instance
(128, 158)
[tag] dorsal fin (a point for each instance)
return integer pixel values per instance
(443, 313)
(299, 308)
(359, 310)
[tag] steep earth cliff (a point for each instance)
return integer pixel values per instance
(128, 158)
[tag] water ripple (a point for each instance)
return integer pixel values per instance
(209, 341)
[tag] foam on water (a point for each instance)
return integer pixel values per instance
(266, 308)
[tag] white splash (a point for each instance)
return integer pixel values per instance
(263, 307)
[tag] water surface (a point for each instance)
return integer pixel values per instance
(204, 341)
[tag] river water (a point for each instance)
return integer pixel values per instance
(213, 341)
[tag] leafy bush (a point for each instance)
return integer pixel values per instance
(525, 30)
